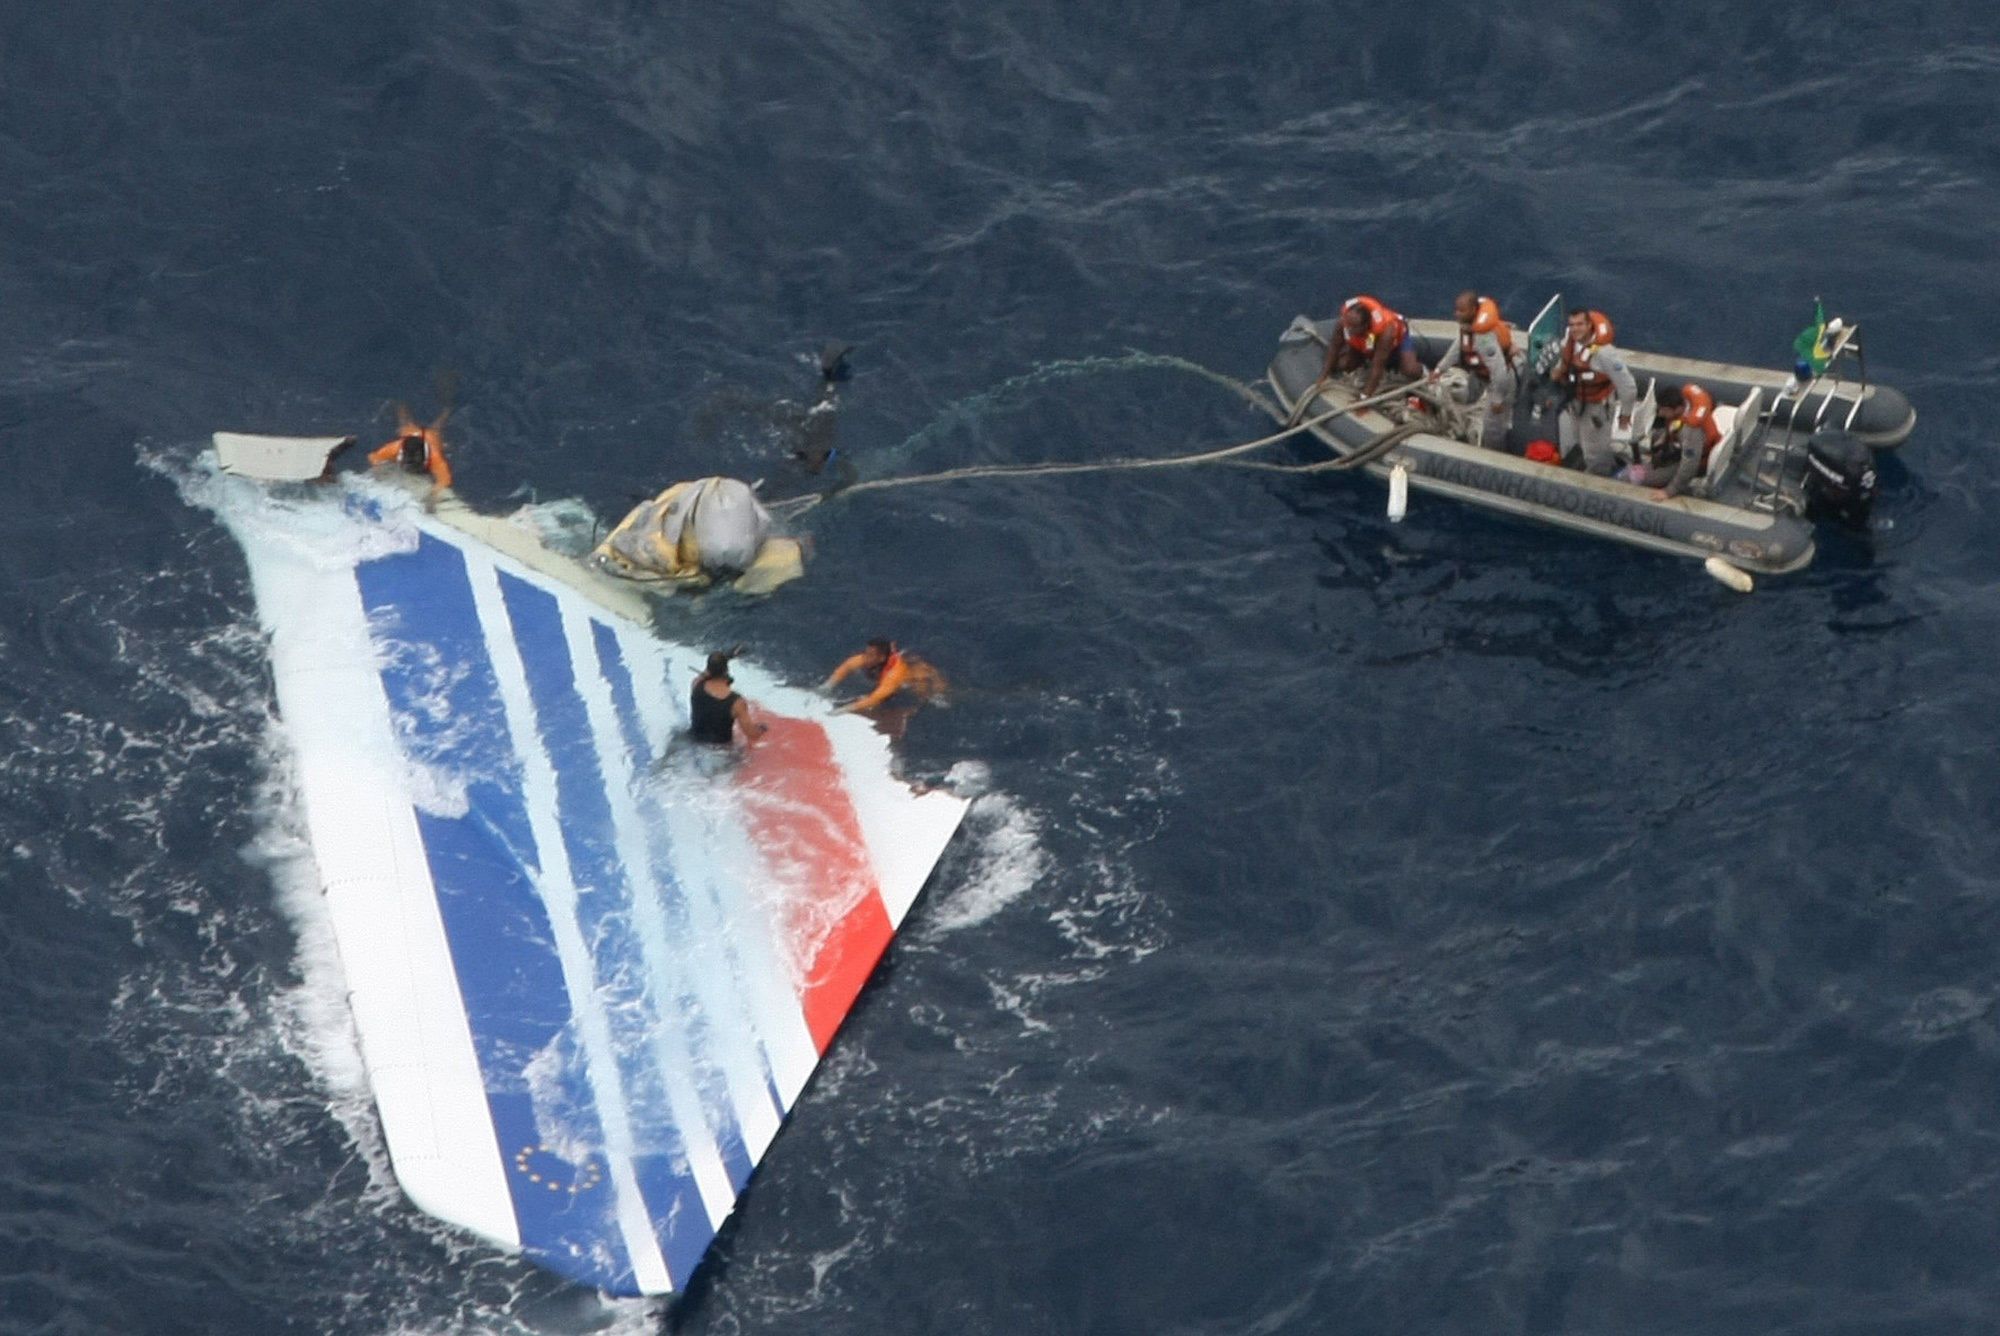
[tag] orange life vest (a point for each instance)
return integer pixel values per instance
(1697, 410)
(906, 672)
(420, 450)
(1384, 325)
(1577, 367)
(1486, 320)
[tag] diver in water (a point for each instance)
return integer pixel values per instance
(715, 711)
(807, 434)
(816, 442)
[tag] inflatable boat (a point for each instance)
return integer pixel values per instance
(589, 974)
(1794, 451)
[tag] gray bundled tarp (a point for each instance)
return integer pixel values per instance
(696, 531)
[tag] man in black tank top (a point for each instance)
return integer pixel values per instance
(714, 708)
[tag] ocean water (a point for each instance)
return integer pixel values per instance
(1442, 927)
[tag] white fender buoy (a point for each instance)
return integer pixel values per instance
(1734, 576)
(1399, 492)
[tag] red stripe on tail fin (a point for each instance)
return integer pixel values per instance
(804, 823)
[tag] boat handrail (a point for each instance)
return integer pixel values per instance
(1831, 383)
(1861, 369)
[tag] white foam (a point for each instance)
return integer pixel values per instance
(969, 779)
(1007, 863)
(299, 519)
(565, 525)
(315, 1023)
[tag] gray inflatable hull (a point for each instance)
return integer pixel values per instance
(1753, 517)
(1883, 417)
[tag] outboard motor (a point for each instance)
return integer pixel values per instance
(1840, 478)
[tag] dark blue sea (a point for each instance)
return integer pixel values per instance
(1450, 926)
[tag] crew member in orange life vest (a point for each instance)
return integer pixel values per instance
(1485, 348)
(1369, 332)
(1592, 371)
(893, 670)
(421, 450)
(1682, 440)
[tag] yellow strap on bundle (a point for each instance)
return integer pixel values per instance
(778, 561)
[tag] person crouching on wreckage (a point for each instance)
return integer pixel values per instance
(419, 450)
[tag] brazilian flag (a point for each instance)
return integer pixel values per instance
(1813, 347)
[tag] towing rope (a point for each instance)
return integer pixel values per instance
(1017, 391)
(1228, 454)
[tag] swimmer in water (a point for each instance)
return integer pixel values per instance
(715, 711)
(892, 670)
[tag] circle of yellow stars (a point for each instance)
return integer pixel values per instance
(539, 1164)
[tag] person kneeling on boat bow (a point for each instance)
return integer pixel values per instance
(1370, 333)
(1591, 371)
(1485, 348)
(1680, 442)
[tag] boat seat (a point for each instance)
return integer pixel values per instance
(1742, 422)
(1644, 411)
